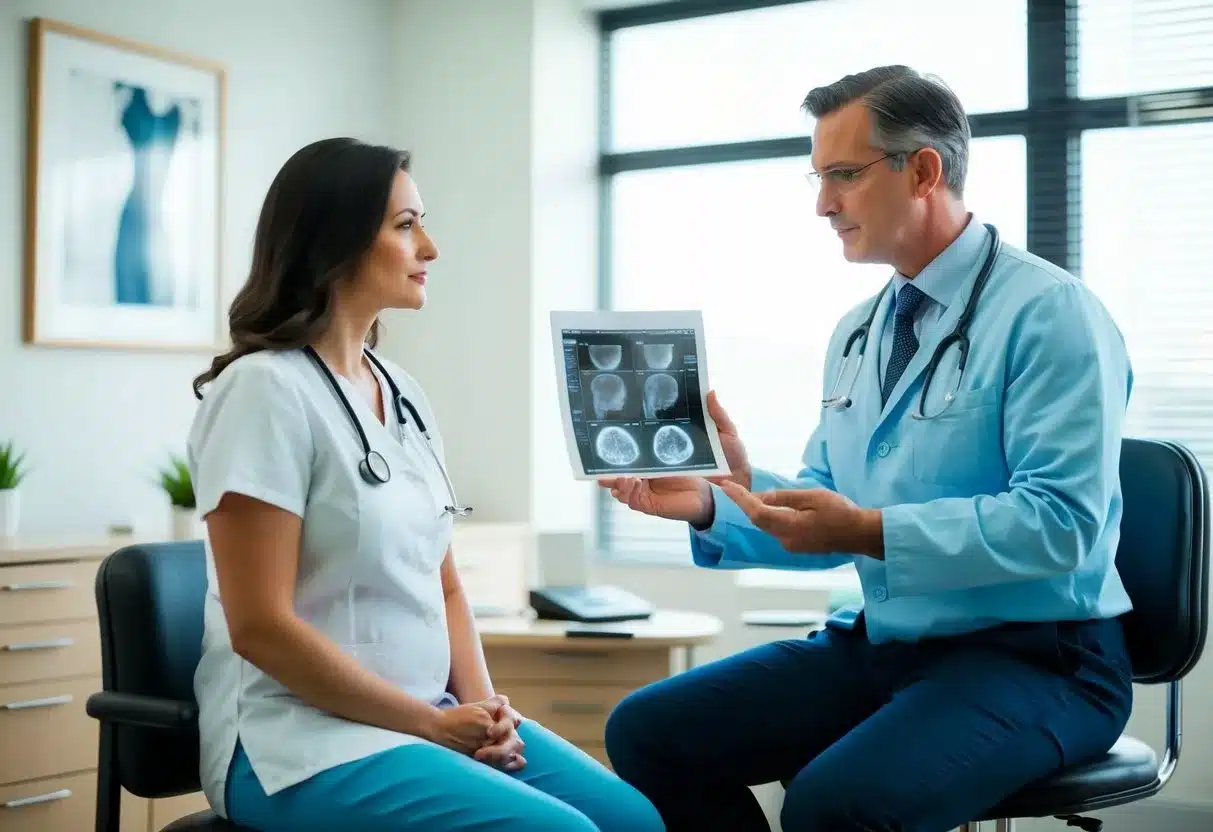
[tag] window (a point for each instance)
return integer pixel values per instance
(741, 76)
(705, 147)
(1146, 251)
(1128, 47)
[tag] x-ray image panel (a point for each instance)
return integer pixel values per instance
(617, 446)
(672, 445)
(677, 445)
(632, 394)
(663, 396)
(662, 354)
(612, 396)
(605, 352)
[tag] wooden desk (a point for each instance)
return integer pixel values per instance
(50, 662)
(569, 684)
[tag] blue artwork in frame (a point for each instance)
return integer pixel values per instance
(126, 148)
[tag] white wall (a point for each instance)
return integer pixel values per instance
(500, 114)
(98, 424)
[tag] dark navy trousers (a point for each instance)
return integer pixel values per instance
(901, 737)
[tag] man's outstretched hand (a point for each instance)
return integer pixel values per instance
(812, 520)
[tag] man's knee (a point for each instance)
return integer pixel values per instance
(818, 801)
(632, 724)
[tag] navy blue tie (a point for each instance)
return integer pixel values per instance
(905, 342)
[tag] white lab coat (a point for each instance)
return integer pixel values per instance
(271, 427)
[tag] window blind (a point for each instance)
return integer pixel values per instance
(1147, 211)
(1131, 47)
(1146, 204)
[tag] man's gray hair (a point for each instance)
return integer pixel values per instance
(909, 111)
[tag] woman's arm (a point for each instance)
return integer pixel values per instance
(256, 549)
(470, 681)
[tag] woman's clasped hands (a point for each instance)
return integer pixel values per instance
(485, 730)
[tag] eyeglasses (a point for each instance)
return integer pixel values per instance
(842, 177)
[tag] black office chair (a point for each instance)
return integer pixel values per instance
(1163, 559)
(149, 605)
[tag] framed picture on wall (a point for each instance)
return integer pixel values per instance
(124, 193)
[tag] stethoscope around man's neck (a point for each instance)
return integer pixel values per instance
(373, 467)
(958, 337)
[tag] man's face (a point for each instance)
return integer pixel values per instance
(866, 201)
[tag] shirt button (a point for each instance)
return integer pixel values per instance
(880, 593)
(883, 449)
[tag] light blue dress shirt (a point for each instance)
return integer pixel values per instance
(1005, 508)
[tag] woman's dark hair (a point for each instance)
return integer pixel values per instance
(319, 219)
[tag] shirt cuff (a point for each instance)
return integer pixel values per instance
(725, 512)
(898, 530)
(761, 480)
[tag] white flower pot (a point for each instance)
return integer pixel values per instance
(185, 524)
(10, 511)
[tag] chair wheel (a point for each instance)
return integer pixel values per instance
(1085, 824)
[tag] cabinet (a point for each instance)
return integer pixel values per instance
(50, 662)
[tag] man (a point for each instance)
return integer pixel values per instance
(988, 651)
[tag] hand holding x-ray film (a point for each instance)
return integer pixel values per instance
(632, 391)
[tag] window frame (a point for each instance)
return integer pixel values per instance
(1052, 126)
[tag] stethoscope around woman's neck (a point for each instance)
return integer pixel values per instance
(373, 467)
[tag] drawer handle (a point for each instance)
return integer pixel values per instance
(29, 586)
(561, 707)
(62, 794)
(66, 641)
(46, 702)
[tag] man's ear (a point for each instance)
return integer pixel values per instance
(927, 165)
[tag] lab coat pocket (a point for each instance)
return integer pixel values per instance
(962, 447)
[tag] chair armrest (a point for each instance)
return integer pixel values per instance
(147, 711)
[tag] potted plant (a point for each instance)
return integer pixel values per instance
(11, 475)
(177, 484)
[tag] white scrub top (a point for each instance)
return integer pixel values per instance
(271, 426)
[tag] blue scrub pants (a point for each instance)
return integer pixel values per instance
(893, 738)
(427, 787)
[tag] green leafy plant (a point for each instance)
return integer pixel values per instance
(11, 472)
(176, 482)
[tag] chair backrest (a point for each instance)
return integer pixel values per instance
(149, 603)
(1163, 557)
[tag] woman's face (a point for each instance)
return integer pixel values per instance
(393, 275)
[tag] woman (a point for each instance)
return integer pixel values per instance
(342, 684)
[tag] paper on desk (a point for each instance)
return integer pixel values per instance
(633, 394)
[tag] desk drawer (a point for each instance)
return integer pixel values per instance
(57, 804)
(631, 666)
(34, 652)
(47, 592)
(48, 723)
(576, 712)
